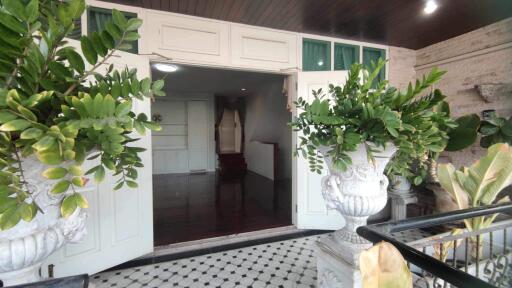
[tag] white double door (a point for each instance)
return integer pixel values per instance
(311, 211)
(119, 223)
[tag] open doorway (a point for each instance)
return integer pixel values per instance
(222, 161)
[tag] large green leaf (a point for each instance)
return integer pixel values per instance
(68, 206)
(123, 108)
(59, 70)
(9, 218)
(99, 175)
(55, 172)
(49, 157)
(75, 60)
(15, 125)
(12, 23)
(465, 134)
(61, 187)
(498, 174)
(6, 116)
(88, 50)
(98, 44)
(76, 8)
(119, 19)
(16, 8)
(448, 180)
(44, 143)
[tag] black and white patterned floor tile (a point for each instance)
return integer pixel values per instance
(289, 263)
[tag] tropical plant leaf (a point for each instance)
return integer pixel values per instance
(382, 266)
(449, 182)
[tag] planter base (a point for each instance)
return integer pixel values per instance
(399, 202)
(337, 263)
(26, 275)
(24, 247)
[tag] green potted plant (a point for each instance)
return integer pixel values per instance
(495, 129)
(356, 129)
(492, 130)
(479, 184)
(57, 109)
(402, 177)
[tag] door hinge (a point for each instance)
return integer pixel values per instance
(50, 270)
(296, 208)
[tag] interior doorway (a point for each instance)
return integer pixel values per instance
(222, 161)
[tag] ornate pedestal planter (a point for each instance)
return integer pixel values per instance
(400, 184)
(401, 195)
(356, 194)
(24, 247)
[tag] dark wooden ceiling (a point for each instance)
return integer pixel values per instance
(393, 22)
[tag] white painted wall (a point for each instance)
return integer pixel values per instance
(266, 121)
(171, 144)
(260, 158)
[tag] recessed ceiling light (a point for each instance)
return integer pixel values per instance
(430, 7)
(243, 89)
(165, 67)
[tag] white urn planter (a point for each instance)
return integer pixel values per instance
(400, 184)
(24, 247)
(357, 193)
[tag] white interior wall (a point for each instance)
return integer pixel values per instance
(266, 121)
(260, 158)
(170, 146)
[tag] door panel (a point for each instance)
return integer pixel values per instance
(186, 38)
(119, 223)
(311, 209)
(258, 47)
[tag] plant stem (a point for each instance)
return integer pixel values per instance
(16, 69)
(24, 180)
(19, 63)
(20, 167)
(88, 73)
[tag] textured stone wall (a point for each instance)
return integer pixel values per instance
(479, 57)
(401, 67)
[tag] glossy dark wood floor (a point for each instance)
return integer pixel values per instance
(199, 206)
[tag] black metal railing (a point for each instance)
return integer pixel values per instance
(441, 252)
(78, 281)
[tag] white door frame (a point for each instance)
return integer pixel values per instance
(287, 72)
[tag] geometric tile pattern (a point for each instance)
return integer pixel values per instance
(289, 263)
(411, 235)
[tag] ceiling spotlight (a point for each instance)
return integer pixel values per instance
(164, 67)
(320, 63)
(243, 89)
(430, 7)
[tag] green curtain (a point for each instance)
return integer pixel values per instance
(372, 55)
(345, 55)
(77, 30)
(316, 55)
(97, 17)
